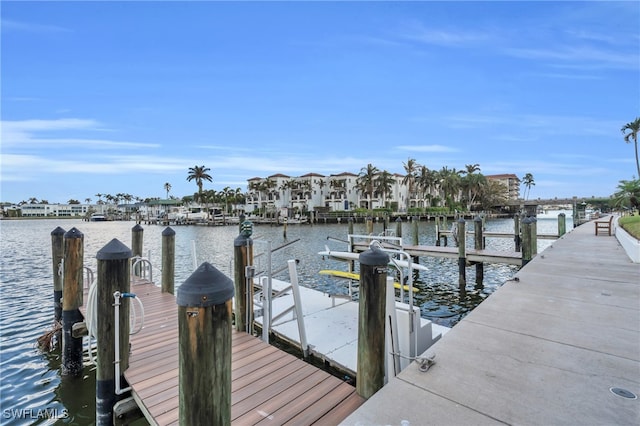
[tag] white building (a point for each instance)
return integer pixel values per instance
(55, 210)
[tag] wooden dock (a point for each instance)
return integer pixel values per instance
(268, 384)
(557, 345)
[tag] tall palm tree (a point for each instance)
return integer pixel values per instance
(450, 183)
(365, 183)
(167, 187)
(383, 183)
(199, 174)
(633, 127)
(411, 170)
(528, 182)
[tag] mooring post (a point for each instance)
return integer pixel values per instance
(136, 246)
(204, 340)
(415, 221)
(114, 270)
(462, 255)
(371, 321)
(526, 241)
(399, 227)
(516, 231)
(534, 237)
(284, 228)
(168, 260)
(478, 244)
(243, 278)
(437, 222)
(72, 289)
(562, 224)
(369, 225)
(57, 256)
(350, 222)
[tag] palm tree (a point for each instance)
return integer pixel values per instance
(450, 183)
(628, 194)
(411, 170)
(528, 182)
(167, 187)
(633, 127)
(383, 183)
(87, 200)
(366, 181)
(199, 174)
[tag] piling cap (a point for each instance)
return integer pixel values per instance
(398, 219)
(73, 233)
(168, 232)
(114, 250)
(374, 257)
(207, 286)
(137, 228)
(58, 231)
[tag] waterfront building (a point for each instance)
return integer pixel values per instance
(55, 210)
(511, 182)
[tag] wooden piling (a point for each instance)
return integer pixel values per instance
(369, 225)
(72, 289)
(204, 341)
(136, 245)
(415, 222)
(562, 224)
(399, 227)
(350, 221)
(243, 279)
(371, 322)
(516, 232)
(462, 255)
(113, 276)
(534, 237)
(284, 228)
(437, 223)
(168, 260)
(526, 241)
(478, 243)
(57, 256)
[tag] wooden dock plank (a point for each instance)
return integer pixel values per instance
(264, 379)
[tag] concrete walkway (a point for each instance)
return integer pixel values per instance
(545, 349)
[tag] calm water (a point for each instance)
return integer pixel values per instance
(31, 388)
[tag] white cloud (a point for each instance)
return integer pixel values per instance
(11, 25)
(427, 148)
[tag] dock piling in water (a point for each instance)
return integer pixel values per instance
(204, 340)
(243, 263)
(137, 233)
(527, 253)
(371, 321)
(168, 260)
(479, 244)
(562, 224)
(114, 271)
(462, 255)
(57, 256)
(72, 289)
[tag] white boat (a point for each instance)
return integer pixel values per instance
(347, 255)
(97, 217)
(553, 213)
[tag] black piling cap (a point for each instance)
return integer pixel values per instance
(137, 228)
(461, 220)
(168, 232)
(58, 231)
(207, 286)
(527, 219)
(477, 219)
(114, 250)
(246, 229)
(73, 233)
(374, 257)
(398, 219)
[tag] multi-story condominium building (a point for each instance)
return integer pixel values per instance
(511, 182)
(54, 210)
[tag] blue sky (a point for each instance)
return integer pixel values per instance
(106, 97)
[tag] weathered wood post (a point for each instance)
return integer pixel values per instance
(72, 289)
(462, 255)
(534, 237)
(562, 224)
(136, 246)
(371, 321)
(204, 341)
(284, 228)
(350, 221)
(168, 260)
(57, 256)
(243, 278)
(415, 221)
(526, 241)
(516, 231)
(478, 244)
(369, 225)
(399, 227)
(437, 222)
(114, 275)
